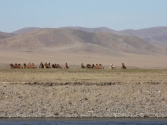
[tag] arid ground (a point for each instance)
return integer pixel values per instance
(130, 60)
(83, 93)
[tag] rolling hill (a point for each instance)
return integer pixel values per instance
(153, 34)
(72, 39)
(76, 46)
(25, 30)
(5, 35)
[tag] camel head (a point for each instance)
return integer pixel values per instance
(11, 64)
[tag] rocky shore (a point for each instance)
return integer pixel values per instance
(81, 99)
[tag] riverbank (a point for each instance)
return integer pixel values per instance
(116, 97)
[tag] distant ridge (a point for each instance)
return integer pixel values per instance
(95, 30)
(77, 41)
(157, 35)
(153, 34)
(5, 35)
(25, 30)
(75, 46)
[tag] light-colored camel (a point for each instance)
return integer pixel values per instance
(112, 67)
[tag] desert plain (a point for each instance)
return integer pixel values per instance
(138, 91)
(83, 92)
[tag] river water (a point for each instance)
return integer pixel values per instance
(83, 121)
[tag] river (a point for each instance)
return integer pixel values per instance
(83, 121)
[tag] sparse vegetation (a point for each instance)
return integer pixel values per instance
(80, 75)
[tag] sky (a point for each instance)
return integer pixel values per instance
(114, 14)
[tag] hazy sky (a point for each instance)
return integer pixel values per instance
(114, 14)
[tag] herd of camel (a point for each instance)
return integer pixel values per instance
(48, 65)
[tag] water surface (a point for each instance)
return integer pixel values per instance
(83, 121)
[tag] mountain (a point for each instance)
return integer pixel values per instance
(95, 30)
(25, 30)
(78, 41)
(153, 35)
(5, 35)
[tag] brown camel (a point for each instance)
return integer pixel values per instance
(30, 66)
(12, 66)
(98, 66)
(47, 65)
(53, 65)
(89, 66)
(41, 65)
(66, 66)
(18, 66)
(123, 66)
(82, 66)
(58, 66)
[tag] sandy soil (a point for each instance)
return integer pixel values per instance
(83, 93)
(53, 56)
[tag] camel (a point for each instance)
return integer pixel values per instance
(89, 66)
(24, 65)
(66, 66)
(12, 66)
(30, 66)
(112, 66)
(123, 66)
(41, 65)
(53, 65)
(58, 66)
(18, 66)
(98, 66)
(82, 66)
(47, 65)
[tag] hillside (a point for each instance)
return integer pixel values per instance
(72, 40)
(153, 35)
(5, 35)
(75, 47)
(25, 30)
(95, 30)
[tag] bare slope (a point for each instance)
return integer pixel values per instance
(95, 30)
(156, 35)
(71, 40)
(25, 30)
(5, 35)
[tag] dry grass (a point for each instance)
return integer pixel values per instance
(127, 98)
(82, 75)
